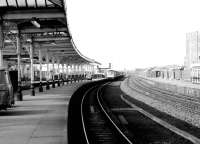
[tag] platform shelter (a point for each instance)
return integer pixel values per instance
(36, 42)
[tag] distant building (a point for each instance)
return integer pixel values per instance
(192, 58)
(171, 72)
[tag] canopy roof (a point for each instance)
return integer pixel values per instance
(31, 3)
(42, 23)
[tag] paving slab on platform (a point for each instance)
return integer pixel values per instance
(40, 119)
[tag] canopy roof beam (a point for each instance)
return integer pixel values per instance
(41, 14)
(43, 30)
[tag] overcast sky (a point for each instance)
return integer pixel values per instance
(133, 33)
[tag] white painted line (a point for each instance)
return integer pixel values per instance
(174, 129)
(123, 119)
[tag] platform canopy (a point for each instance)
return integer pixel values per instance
(43, 23)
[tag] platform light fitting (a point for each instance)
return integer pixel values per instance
(35, 22)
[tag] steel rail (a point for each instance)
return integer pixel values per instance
(139, 89)
(104, 112)
(165, 97)
(158, 120)
(169, 93)
(82, 119)
(107, 115)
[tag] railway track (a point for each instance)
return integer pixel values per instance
(180, 102)
(143, 123)
(177, 95)
(96, 121)
(88, 119)
(99, 128)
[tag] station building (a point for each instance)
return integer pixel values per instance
(170, 72)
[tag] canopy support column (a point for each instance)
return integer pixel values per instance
(58, 64)
(71, 71)
(82, 72)
(1, 44)
(75, 72)
(40, 60)
(32, 70)
(53, 71)
(19, 88)
(79, 72)
(48, 72)
(62, 76)
(68, 73)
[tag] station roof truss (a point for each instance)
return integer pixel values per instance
(42, 23)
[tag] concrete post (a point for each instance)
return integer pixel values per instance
(32, 70)
(19, 88)
(40, 61)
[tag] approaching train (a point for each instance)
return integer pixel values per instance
(6, 89)
(113, 73)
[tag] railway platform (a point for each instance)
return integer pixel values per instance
(40, 119)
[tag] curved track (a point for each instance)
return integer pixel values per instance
(98, 125)
(92, 122)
